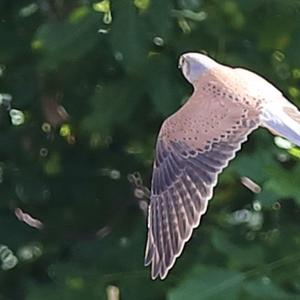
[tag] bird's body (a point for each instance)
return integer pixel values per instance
(197, 142)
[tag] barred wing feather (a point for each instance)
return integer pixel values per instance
(182, 183)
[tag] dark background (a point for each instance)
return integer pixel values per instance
(89, 85)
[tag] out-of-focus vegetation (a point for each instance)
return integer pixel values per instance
(84, 88)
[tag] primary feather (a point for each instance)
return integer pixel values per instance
(197, 142)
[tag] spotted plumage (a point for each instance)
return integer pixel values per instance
(197, 142)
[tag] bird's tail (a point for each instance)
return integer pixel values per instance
(282, 118)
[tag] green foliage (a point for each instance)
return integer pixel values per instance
(91, 82)
(209, 283)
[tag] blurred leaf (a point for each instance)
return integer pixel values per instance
(264, 288)
(295, 152)
(62, 41)
(267, 197)
(103, 6)
(165, 98)
(142, 4)
(250, 255)
(284, 182)
(254, 165)
(208, 283)
(128, 37)
(113, 104)
(160, 18)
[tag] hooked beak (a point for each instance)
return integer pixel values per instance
(180, 63)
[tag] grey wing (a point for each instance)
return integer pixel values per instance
(182, 183)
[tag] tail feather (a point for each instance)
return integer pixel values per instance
(282, 119)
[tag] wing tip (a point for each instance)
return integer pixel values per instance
(158, 269)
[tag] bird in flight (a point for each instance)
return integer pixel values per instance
(197, 142)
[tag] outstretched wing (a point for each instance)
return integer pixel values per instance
(282, 118)
(278, 114)
(184, 176)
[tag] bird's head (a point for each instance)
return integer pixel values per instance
(194, 65)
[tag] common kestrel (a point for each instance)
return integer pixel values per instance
(197, 142)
